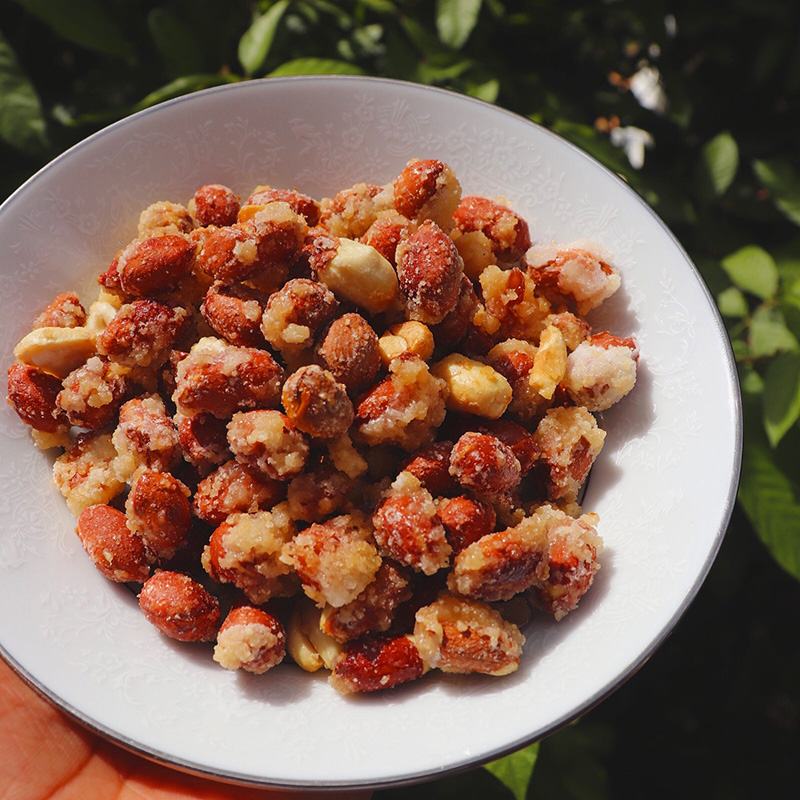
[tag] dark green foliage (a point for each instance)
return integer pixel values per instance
(716, 712)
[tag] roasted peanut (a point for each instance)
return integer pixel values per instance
(317, 403)
(245, 551)
(268, 442)
(92, 394)
(380, 662)
(349, 350)
(350, 212)
(234, 312)
(455, 634)
(430, 465)
(250, 639)
(155, 265)
(601, 371)
(506, 230)
(163, 217)
(64, 311)
(300, 203)
(234, 488)
(335, 560)
(179, 607)
(504, 563)
(429, 269)
(296, 313)
(408, 527)
(465, 520)
(114, 549)
(33, 394)
(573, 275)
(214, 204)
(483, 464)
(142, 333)
(221, 379)
(427, 189)
(158, 511)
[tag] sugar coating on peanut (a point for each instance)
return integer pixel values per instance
(350, 432)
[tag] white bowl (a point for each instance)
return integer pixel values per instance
(663, 486)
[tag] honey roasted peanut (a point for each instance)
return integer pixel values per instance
(360, 425)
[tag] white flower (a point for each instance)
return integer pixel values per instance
(634, 141)
(646, 87)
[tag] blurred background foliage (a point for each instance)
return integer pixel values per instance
(696, 104)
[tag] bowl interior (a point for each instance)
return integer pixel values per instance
(663, 486)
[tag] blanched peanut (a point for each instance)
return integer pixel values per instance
(473, 387)
(475, 249)
(56, 351)
(310, 648)
(514, 359)
(179, 607)
(455, 634)
(250, 639)
(549, 363)
(406, 337)
(360, 274)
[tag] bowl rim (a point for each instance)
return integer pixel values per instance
(412, 777)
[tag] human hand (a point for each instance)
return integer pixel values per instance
(44, 754)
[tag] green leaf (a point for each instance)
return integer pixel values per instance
(21, 120)
(753, 270)
(732, 303)
(769, 334)
(484, 90)
(720, 159)
(781, 396)
(255, 44)
(176, 42)
(316, 66)
(782, 180)
(455, 20)
(184, 85)
(767, 496)
(82, 22)
(515, 771)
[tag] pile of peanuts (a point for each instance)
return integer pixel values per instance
(353, 431)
